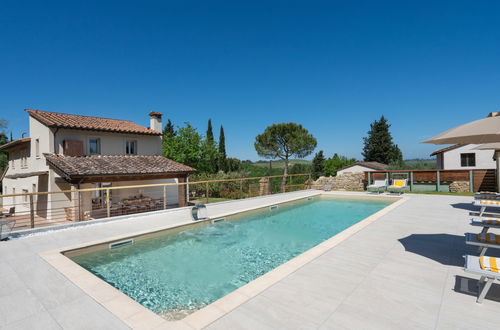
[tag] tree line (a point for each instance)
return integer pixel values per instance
(185, 145)
(281, 141)
(378, 146)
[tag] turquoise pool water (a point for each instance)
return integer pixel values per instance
(175, 274)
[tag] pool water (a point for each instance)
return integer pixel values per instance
(176, 274)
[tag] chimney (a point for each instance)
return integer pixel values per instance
(155, 121)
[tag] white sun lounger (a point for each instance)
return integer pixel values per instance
(378, 185)
(479, 221)
(471, 239)
(487, 277)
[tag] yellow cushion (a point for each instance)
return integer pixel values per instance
(399, 183)
(491, 221)
(489, 263)
(488, 238)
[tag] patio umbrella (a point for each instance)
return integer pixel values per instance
(484, 131)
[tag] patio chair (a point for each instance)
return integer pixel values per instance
(11, 213)
(378, 185)
(6, 227)
(483, 241)
(398, 185)
(484, 267)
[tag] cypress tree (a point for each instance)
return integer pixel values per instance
(169, 130)
(318, 167)
(378, 145)
(222, 143)
(222, 150)
(210, 133)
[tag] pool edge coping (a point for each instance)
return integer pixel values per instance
(137, 316)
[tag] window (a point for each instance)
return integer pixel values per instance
(37, 148)
(468, 160)
(13, 159)
(131, 147)
(24, 158)
(94, 146)
(25, 197)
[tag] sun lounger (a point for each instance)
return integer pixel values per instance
(487, 273)
(378, 186)
(398, 185)
(487, 240)
(486, 222)
(484, 200)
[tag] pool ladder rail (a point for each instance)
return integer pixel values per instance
(199, 212)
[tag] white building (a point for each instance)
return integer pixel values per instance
(65, 152)
(363, 167)
(464, 157)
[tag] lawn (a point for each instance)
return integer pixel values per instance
(441, 193)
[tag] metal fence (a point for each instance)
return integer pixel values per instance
(38, 209)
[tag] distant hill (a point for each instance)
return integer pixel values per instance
(281, 163)
(420, 164)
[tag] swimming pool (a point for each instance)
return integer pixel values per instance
(174, 274)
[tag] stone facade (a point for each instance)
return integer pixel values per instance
(346, 181)
(459, 186)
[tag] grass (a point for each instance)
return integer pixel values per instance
(216, 199)
(441, 193)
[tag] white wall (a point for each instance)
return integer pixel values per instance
(46, 141)
(111, 143)
(34, 164)
(355, 168)
(484, 158)
(153, 192)
(19, 185)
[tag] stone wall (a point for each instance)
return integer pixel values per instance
(345, 181)
(459, 186)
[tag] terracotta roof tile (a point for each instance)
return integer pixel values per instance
(84, 166)
(64, 120)
(14, 143)
(446, 149)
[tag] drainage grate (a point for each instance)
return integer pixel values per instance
(121, 243)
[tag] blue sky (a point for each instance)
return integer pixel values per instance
(333, 66)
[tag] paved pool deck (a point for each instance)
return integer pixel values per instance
(404, 270)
